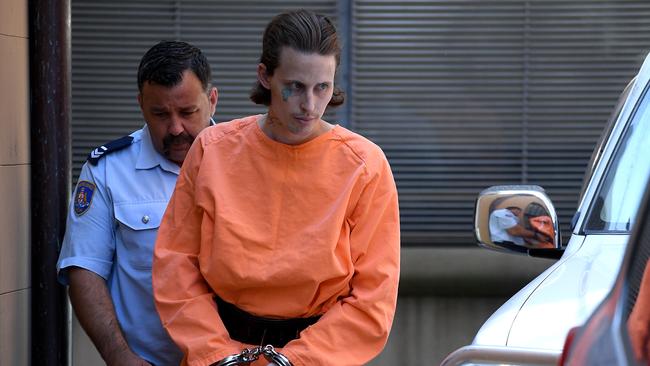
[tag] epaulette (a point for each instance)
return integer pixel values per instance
(115, 145)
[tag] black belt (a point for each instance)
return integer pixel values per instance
(250, 329)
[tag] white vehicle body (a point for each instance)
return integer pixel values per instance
(540, 315)
(531, 327)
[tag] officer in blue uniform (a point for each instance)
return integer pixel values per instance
(119, 201)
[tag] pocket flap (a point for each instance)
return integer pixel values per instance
(140, 215)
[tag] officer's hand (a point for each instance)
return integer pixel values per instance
(127, 358)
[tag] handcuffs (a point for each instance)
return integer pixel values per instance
(249, 355)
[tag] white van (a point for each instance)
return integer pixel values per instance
(531, 327)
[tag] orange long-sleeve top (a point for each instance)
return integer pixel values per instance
(638, 324)
(280, 231)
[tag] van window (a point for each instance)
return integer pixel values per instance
(621, 192)
(600, 146)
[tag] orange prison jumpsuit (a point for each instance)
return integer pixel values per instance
(543, 224)
(638, 324)
(280, 231)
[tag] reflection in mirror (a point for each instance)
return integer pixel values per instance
(516, 218)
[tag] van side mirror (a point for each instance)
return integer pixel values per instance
(519, 219)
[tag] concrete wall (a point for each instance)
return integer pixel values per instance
(446, 294)
(84, 352)
(428, 328)
(14, 184)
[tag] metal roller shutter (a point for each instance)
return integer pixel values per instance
(581, 56)
(109, 38)
(230, 32)
(470, 93)
(460, 94)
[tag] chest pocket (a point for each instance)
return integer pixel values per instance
(138, 224)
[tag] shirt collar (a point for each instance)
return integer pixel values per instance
(149, 158)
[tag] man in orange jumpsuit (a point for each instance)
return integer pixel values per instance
(283, 228)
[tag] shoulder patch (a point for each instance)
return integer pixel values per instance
(83, 196)
(115, 145)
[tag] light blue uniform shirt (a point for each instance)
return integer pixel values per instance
(111, 230)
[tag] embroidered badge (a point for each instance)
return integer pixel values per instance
(83, 196)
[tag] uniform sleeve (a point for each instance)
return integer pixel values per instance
(505, 219)
(356, 328)
(183, 298)
(89, 236)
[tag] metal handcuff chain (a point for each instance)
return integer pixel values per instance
(249, 355)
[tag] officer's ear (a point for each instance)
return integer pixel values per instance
(213, 97)
(139, 97)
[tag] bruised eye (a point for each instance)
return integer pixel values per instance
(294, 85)
(292, 88)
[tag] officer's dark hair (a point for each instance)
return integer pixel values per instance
(498, 202)
(304, 31)
(166, 61)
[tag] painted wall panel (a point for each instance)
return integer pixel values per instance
(14, 185)
(14, 99)
(14, 328)
(14, 224)
(13, 18)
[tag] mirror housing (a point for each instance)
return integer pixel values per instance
(517, 219)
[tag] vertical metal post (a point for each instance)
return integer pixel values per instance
(49, 53)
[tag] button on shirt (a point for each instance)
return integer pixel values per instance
(115, 236)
